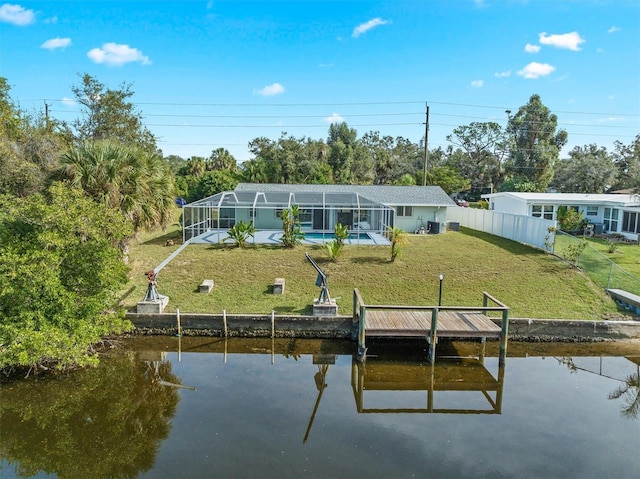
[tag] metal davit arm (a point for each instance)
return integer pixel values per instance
(321, 281)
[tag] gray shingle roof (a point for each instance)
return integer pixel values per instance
(385, 194)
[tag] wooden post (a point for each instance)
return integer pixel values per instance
(355, 305)
(273, 324)
(431, 387)
(178, 321)
(362, 349)
(504, 335)
(433, 338)
(501, 367)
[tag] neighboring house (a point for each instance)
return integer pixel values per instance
(321, 207)
(610, 213)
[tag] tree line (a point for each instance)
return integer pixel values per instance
(74, 194)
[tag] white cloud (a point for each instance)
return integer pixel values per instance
(54, 43)
(529, 48)
(613, 29)
(68, 101)
(536, 70)
(335, 118)
(52, 20)
(271, 90)
(570, 41)
(503, 74)
(117, 54)
(477, 83)
(16, 14)
(366, 26)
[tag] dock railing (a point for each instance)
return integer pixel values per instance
(360, 314)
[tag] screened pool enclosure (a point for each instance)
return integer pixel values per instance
(319, 211)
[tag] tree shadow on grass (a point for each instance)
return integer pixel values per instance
(370, 260)
(511, 246)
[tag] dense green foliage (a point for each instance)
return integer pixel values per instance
(588, 169)
(570, 219)
(136, 182)
(534, 145)
(100, 423)
(109, 115)
(59, 269)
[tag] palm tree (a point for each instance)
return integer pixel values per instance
(398, 238)
(221, 159)
(137, 182)
(630, 389)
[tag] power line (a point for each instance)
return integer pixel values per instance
(335, 104)
(359, 115)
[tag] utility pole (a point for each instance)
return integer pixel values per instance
(426, 147)
(46, 114)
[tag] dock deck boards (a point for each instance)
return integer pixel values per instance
(412, 323)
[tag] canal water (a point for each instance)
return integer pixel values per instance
(259, 408)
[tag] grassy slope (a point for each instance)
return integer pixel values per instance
(531, 283)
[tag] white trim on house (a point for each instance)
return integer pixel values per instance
(616, 213)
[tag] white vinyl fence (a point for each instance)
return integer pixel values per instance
(524, 229)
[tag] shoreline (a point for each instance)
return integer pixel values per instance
(343, 327)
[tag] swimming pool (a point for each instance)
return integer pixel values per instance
(332, 236)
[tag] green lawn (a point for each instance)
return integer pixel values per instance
(531, 283)
(596, 262)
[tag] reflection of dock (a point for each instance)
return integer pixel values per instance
(430, 322)
(455, 376)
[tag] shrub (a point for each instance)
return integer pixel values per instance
(398, 238)
(240, 233)
(291, 231)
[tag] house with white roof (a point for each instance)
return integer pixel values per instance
(608, 212)
(369, 208)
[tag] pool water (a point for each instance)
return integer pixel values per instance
(331, 236)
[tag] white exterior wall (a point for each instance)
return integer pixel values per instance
(509, 204)
(421, 215)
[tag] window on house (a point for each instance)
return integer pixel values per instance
(542, 211)
(304, 215)
(592, 211)
(611, 219)
(404, 211)
(631, 222)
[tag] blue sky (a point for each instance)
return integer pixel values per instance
(209, 74)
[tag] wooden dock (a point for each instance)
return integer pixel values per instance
(430, 322)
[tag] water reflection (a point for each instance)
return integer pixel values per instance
(102, 422)
(307, 408)
(323, 361)
(628, 389)
(459, 377)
